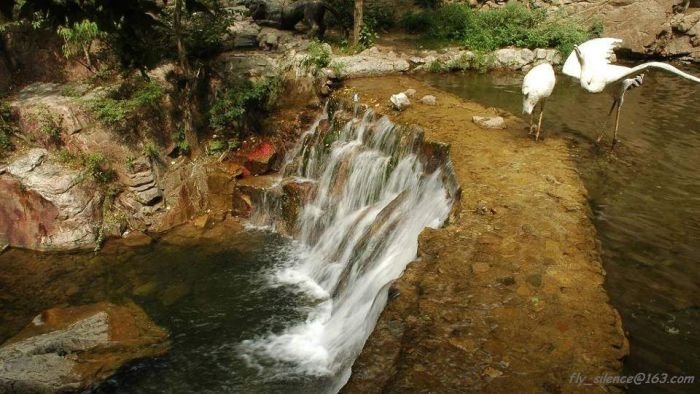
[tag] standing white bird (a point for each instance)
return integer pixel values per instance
(537, 87)
(590, 64)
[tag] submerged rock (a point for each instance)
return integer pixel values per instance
(74, 348)
(47, 206)
(489, 122)
(429, 100)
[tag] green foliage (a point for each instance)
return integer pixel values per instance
(318, 56)
(150, 150)
(78, 39)
(491, 29)
(181, 143)
(95, 166)
(417, 22)
(227, 113)
(597, 28)
(381, 17)
(134, 28)
(217, 146)
(368, 34)
(118, 107)
(49, 125)
(205, 31)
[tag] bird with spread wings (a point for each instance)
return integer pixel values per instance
(590, 63)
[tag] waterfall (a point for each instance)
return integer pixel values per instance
(357, 231)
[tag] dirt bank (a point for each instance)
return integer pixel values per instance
(508, 297)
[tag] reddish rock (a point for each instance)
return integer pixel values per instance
(260, 160)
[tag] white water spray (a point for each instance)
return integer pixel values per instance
(359, 231)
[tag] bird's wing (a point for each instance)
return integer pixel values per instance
(631, 72)
(596, 51)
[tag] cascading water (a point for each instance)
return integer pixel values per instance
(357, 232)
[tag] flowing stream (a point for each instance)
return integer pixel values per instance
(356, 234)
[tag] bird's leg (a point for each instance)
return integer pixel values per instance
(532, 120)
(605, 124)
(539, 123)
(617, 122)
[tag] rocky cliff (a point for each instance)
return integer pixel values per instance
(656, 28)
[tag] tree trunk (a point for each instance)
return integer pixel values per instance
(187, 119)
(357, 22)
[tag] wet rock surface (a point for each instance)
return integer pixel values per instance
(72, 349)
(508, 297)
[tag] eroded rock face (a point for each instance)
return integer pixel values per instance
(648, 27)
(47, 206)
(72, 349)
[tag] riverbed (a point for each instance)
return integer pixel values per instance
(645, 199)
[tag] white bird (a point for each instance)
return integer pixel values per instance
(590, 64)
(537, 87)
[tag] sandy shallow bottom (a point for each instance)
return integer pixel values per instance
(509, 296)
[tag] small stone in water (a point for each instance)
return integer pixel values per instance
(399, 101)
(429, 100)
(490, 122)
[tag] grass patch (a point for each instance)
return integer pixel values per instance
(488, 30)
(92, 165)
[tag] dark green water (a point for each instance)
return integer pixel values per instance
(646, 203)
(209, 295)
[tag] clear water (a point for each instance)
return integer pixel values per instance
(645, 198)
(210, 296)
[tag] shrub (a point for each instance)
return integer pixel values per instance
(48, 125)
(368, 34)
(491, 29)
(226, 115)
(150, 150)
(95, 166)
(318, 56)
(417, 22)
(119, 107)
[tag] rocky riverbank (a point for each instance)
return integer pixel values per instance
(508, 296)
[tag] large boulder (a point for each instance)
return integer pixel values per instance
(372, 62)
(45, 205)
(74, 348)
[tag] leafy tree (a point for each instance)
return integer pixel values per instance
(78, 40)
